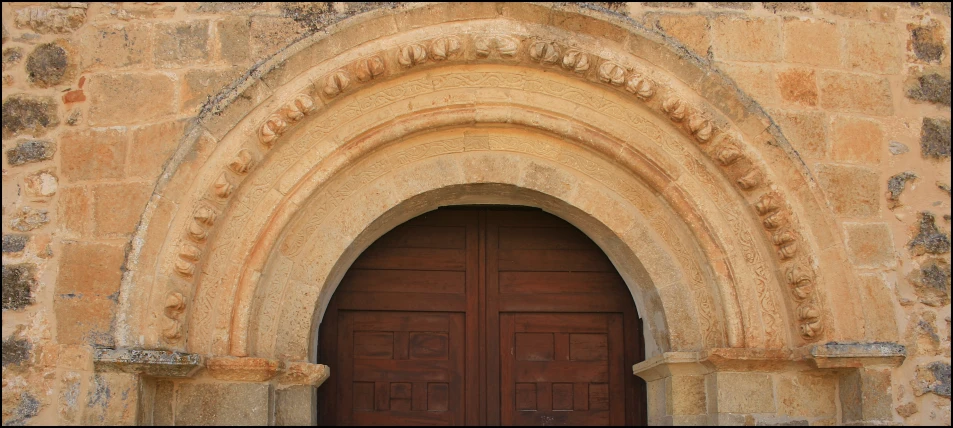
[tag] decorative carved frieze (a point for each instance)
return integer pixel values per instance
(701, 128)
(640, 86)
(768, 203)
(675, 109)
(612, 73)
(367, 69)
(412, 55)
(801, 282)
(269, 131)
(222, 188)
(336, 83)
(750, 180)
(544, 52)
(244, 161)
(506, 46)
(576, 61)
(727, 154)
(444, 47)
(298, 108)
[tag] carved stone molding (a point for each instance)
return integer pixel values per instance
(245, 369)
(147, 362)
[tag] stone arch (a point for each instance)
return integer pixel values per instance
(687, 185)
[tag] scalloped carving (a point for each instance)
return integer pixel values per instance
(184, 268)
(204, 215)
(701, 128)
(197, 233)
(336, 83)
(544, 52)
(774, 221)
(640, 86)
(505, 45)
(612, 73)
(576, 61)
(367, 69)
(444, 47)
(222, 188)
(750, 180)
(298, 108)
(190, 253)
(412, 55)
(244, 161)
(675, 109)
(269, 131)
(767, 203)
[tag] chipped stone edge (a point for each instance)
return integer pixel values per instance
(147, 362)
(857, 354)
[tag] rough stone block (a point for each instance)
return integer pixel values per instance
(151, 148)
(11, 57)
(181, 43)
(22, 407)
(743, 392)
(109, 95)
(222, 404)
(807, 395)
(93, 154)
(19, 280)
(858, 93)
(865, 396)
(25, 114)
(798, 86)
(45, 19)
(89, 270)
(113, 399)
(301, 373)
(28, 218)
(933, 377)
(935, 138)
(756, 80)
(74, 211)
(685, 395)
(851, 191)
(14, 243)
(814, 42)
(269, 34)
(116, 45)
(922, 337)
(806, 131)
(84, 321)
(49, 65)
(746, 39)
(931, 282)
(928, 41)
(233, 40)
(874, 47)
(896, 185)
(691, 30)
(295, 406)
(40, 184)
(16, 352)
(118, 207)
(931, 87)
(200, 85)
(31, 151)
(855, 10)
(929, 239)
(856, 140)
(870, 245)
(779, 7)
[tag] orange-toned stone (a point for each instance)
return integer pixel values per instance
(89, 270)
(84, 321)
(856, 140)
(806, 131)
(110, 96)
(814, 42)
(118, 207)
(756, 80)
(151, 147)
(860, 93)
(851, 191)
(74, 97)
(93, 154)
(691, 30)
(74, 210)
(873, 47)
(799, 86)
(302, 373)
(746, 39)
(870, 245)
(243, 369)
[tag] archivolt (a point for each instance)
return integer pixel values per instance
(693, 203)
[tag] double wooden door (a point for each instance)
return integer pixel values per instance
(481, 316)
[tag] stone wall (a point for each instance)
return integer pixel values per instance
(97, 96)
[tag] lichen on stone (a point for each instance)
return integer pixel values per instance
(929, 240)
(895, 186)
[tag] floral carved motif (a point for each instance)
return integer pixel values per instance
(336, 83)
(173, 310)
(412, 55)
(675, 109)
(506, 46)
(444, 47)
(612, 73)
(244, 161)
(544, 52)
(576, 61)
(367, 69)
(640, 86)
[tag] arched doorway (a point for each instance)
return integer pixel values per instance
(482, 316)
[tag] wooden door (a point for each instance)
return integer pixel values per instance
(481, 316)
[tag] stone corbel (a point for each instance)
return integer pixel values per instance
(153, 363)
(856, 355)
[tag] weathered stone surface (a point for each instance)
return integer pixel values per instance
(935, 138)
(854, 354)
(181, 43)
(744, 39)
(41, 184)
(89, 270)
(895, 186)
(14, 243)
(851, 191)
(690, 30)
(84, 321)
(793, 6)
(859, 93)
(933, 377)
(28, 218)
(740, 5)
(813, 42)
(798, 86)
(19, 280)
(932, 88)
(116, 45)
(873, 47)
(870, 245)
(112, 399)
(806, 131)
(922, 334)
(44, 19)
(807, 394)
(931, 282)
(243, 369)
(856, 140)
(24, 114)
(743, 392)
(928, 41)
(678, 5)
(907, 410)
(47, 65)
(294, 406)
(26, 408)
(154, 98)
(16, 351)
(155, 363)
(898, 148)
(11, 56)
(929, 240)
(233, 33)
(91, 154)
(302, 373)
(865, 396)
(117, 207)
(31, 151)
(222, 404)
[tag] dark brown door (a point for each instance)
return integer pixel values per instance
(482, 316)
